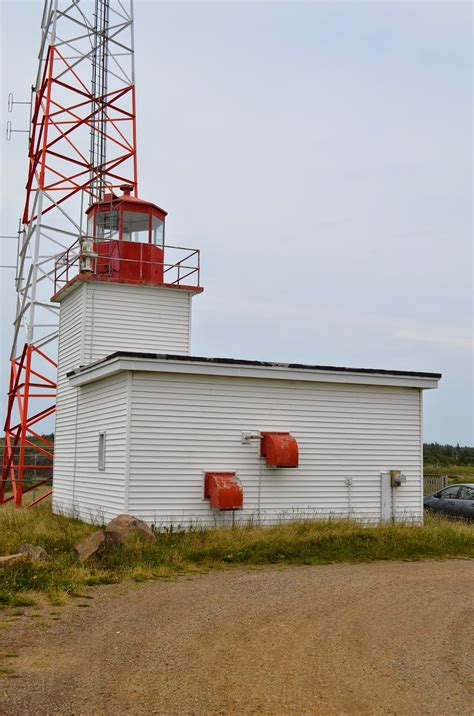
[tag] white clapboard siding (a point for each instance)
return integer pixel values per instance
(182, 425)
(167, 421)
(70, 357)
(97, 319)
(148, 319)
(99, 495)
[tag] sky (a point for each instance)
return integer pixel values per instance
(320, 156)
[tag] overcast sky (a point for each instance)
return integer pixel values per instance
(320, 155)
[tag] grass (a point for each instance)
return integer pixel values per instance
(6, 671)
(14, 600)
(310, 542)
(455, 473)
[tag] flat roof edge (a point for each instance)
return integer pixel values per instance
(83, 278)
(130, 360)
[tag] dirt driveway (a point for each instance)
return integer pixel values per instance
(385, 638)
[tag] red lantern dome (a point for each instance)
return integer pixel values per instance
(126, 218)
(125, 243)
(128, 238)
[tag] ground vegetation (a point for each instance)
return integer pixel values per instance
(180, 552)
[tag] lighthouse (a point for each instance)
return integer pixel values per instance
(120, 288)
(135, 291)
(146, 428)
(143, 426)
(126, 235)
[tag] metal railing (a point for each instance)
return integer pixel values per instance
(179, 265)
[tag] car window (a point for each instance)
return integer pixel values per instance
(466, 493)
(449, 493)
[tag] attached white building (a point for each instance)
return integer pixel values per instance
(140, 421)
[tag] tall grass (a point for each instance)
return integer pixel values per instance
(456, 473)
(307, 542)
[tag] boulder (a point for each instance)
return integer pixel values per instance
(34, 552)
(9, 559)
(117, 531)
(123, 526)
(94, 545)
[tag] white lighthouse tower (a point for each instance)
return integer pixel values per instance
(120, 288)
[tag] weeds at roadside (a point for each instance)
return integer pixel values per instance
(57, 599)
(198, 551)
(6, 671)
(15, 600)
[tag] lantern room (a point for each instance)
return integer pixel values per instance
(126, 218)
(127, 238)
(125, 243)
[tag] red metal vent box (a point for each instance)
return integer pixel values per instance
(279, 449)
(224, 490)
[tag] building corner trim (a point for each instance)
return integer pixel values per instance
(128, 430)
(422, 464)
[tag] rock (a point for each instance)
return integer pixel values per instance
(9, 559)
(34, 552)
(123, 526)
(117, 531)
(94, 545)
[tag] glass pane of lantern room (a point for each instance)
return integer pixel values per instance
(157, 231)
(135, 226)
(106, 225)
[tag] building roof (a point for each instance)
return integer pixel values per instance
(172, 363)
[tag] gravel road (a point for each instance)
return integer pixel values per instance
(384, 638)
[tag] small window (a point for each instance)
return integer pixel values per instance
(466, 493)
(450, 493)
(101, 460)
(107, 225)
(90, 226)
(157, 231)
(136, 226)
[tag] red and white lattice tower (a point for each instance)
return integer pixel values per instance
(82, 143)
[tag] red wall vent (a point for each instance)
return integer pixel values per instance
(279, 449)
(224, 490)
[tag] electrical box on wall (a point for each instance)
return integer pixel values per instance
(396, 478)
(279, 449)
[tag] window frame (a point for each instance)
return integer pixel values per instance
(136, 216)
(442, 496)
(469, 489)
(101, 450)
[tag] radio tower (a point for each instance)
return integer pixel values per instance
(82, 140)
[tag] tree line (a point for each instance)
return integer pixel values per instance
(436, 454)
